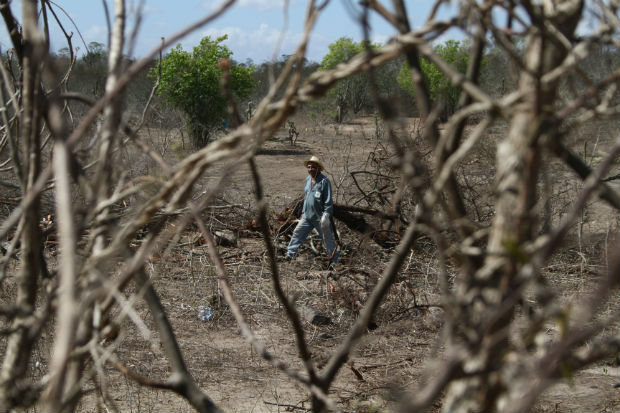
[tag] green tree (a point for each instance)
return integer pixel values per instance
(441, 90)
(191, 83)
(352, 92)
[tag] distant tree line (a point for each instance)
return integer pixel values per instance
(191, 80)
(88, 76)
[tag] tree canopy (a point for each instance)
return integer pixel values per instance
(190, 81)
(353, 92)
(440, 88)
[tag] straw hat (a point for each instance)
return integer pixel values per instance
(316, 161)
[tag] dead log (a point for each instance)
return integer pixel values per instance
(368, 211)
(225, 238)
(287, 218)
(357, 222)
(351, 216)
(314, 317)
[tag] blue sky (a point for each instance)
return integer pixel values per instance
(253, 26)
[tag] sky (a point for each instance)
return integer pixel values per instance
(254, 27)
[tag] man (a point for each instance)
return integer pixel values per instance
(316, 213)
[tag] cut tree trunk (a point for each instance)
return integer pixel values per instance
(353, 217)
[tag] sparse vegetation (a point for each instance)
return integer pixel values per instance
(351, 93)
(191, 83)
(480, 255)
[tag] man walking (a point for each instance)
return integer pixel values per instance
(316, 213)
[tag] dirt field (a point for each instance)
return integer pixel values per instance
(391, 358)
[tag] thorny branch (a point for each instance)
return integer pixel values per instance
(497, 261)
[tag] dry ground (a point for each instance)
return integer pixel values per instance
(390, 358)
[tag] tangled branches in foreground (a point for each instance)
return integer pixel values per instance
(109, 222)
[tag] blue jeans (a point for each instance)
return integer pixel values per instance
(303, 229)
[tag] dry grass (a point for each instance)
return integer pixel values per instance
(391, 358)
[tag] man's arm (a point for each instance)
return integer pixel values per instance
(328, 203)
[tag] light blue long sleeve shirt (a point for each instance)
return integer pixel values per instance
(318, 199)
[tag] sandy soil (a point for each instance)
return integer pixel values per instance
(389, 358)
